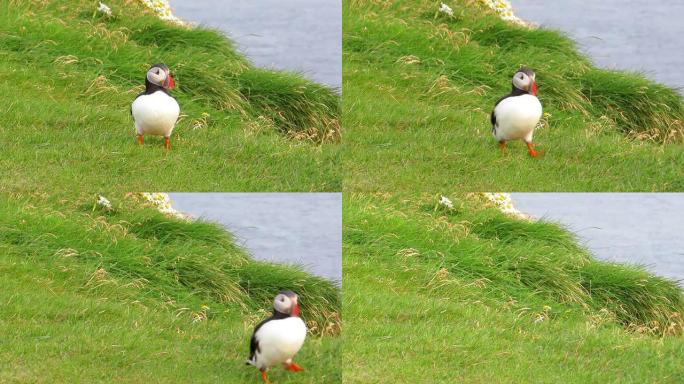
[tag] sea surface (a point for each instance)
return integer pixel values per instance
(636, 228)
(296, 35)
(637, 35)
(302, 229)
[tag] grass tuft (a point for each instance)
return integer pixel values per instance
(539, 258)
(640, 301)
(174, 260)
(639, 107)
(298, 108)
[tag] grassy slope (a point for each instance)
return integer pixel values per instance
(451, 296)
(91, 296)
(419, 87)
(67, 78)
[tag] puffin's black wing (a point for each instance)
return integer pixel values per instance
(514, 92)
(254, 343)
(253, 348)
(493, 117)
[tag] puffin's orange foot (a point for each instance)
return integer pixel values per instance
(532, 151)
(167, 143)
(502, 146)
(264, 377)
(139, 139)
(293, 367)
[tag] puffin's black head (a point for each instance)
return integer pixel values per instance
(159, 75)
(286, 302)
(524, 80)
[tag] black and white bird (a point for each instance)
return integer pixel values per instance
(155, 111)
(516, 115)
(277, 339)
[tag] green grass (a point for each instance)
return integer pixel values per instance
(68, 77)
(132, 296)
(419, 87)
(436, 295)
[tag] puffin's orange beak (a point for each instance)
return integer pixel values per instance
(295, 310)
(533, 88)
(170, 82)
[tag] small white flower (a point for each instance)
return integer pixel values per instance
(162, 201)
(539, 318)
(446, 9)
(104, 202)
(445, 202)
(162, 9)
(504, 203)
(103, 8)
(504, 9)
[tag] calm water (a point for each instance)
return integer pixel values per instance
(636, 228)
(297, 35)
(639, 35)
(291, 228)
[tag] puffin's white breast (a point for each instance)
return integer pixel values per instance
(279, 340)
(516, 117)
(155, 114)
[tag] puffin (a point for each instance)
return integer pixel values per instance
(155, 111)
(516, 115)
(277, 339)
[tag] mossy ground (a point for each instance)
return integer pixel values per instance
(92, 295)
(128, 295)
(68, 76)
(419, 87)
(469, 295)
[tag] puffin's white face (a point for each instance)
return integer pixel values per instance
(161, 77)
(524, 80)
(286, 302)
